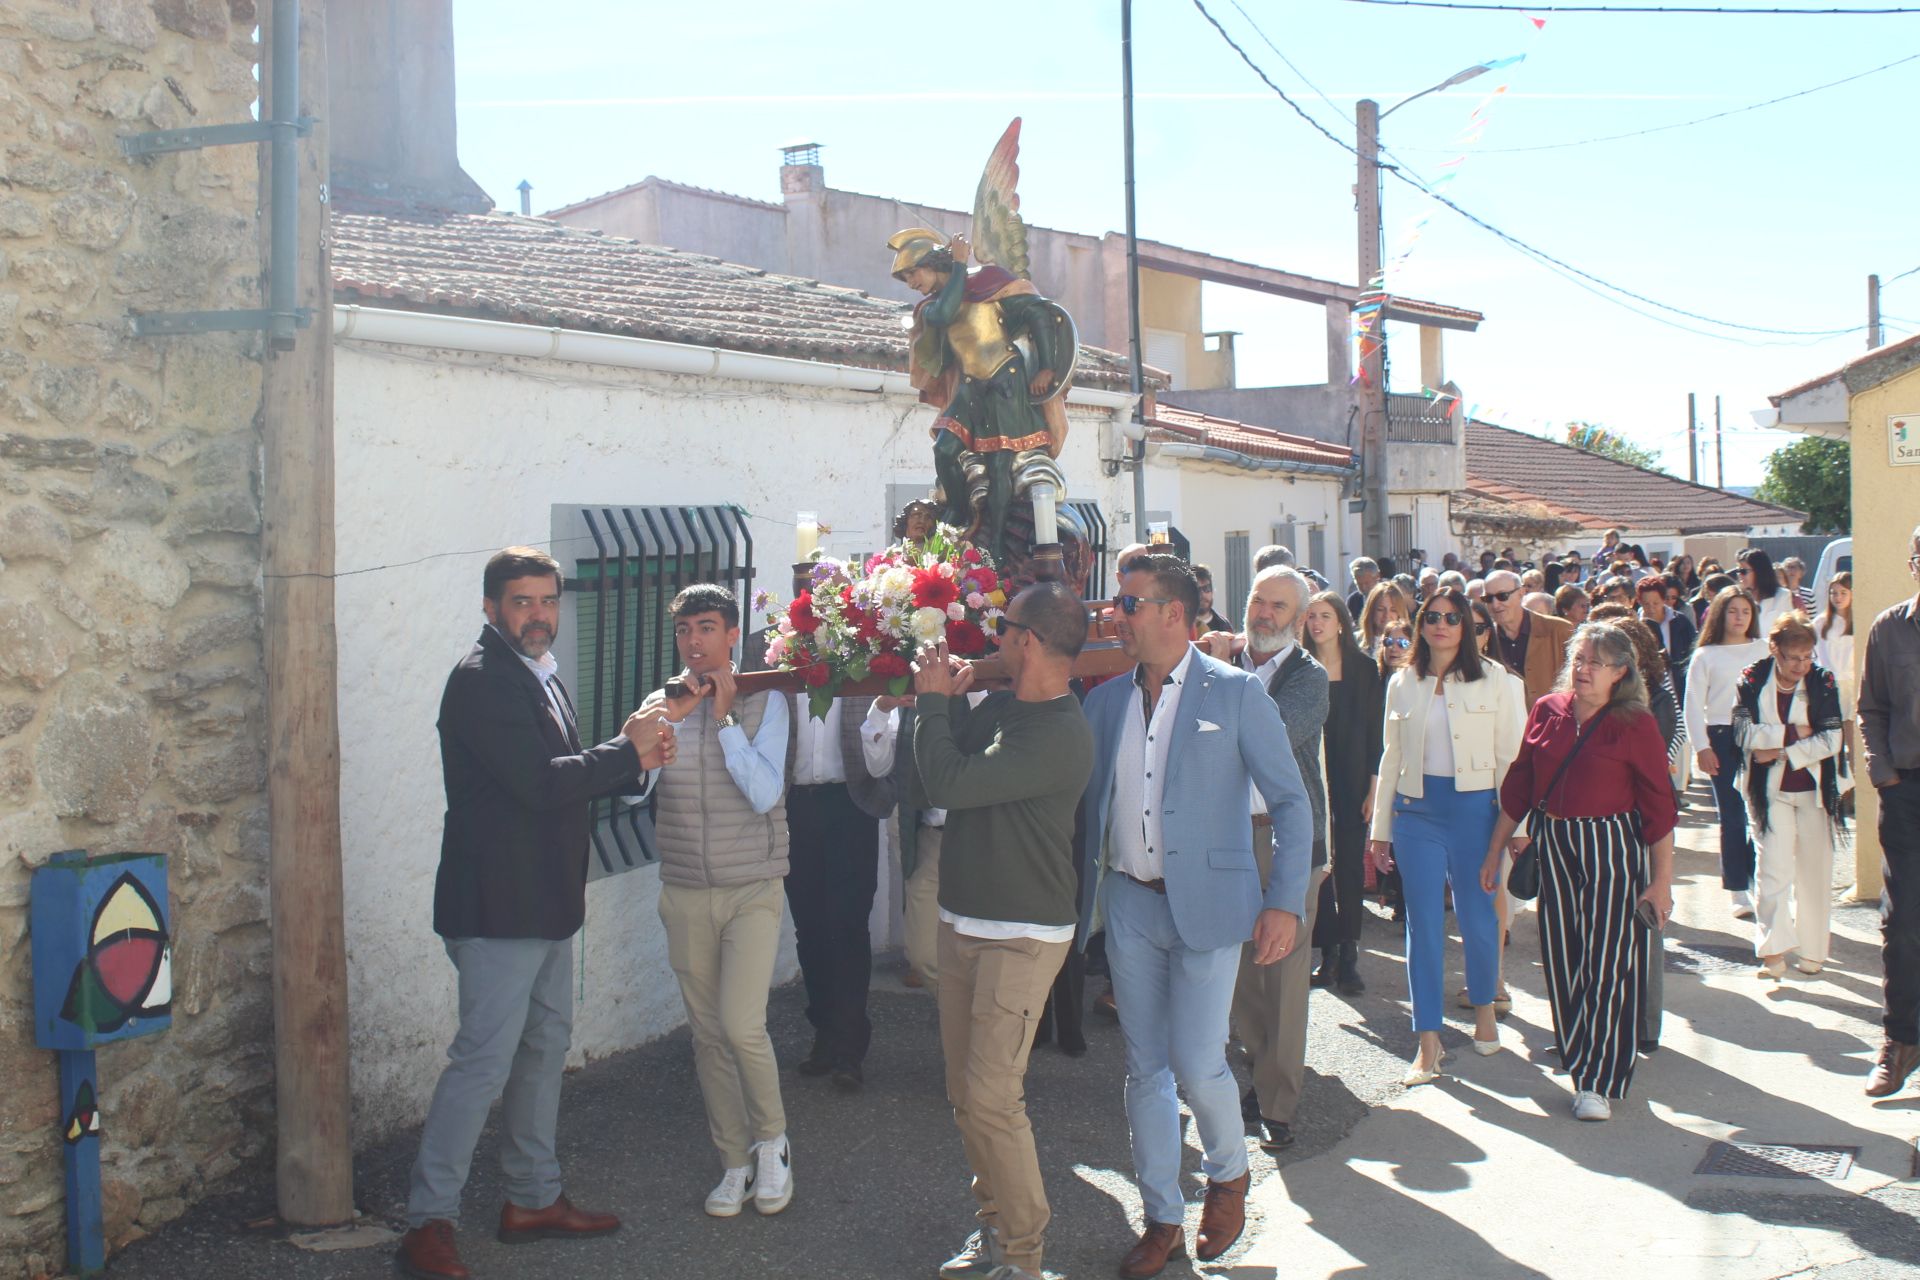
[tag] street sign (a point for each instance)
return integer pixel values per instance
(1903, 440)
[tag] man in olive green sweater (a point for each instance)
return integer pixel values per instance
(1009, 772)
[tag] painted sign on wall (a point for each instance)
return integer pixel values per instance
(102, 956)
(1903, 440)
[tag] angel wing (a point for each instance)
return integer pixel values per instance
(999, 236)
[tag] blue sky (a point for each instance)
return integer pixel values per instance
(1771, 218)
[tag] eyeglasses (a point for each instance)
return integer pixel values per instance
(1439, 617)
(1130, 605)
(1501, 597)
(1001, 623)
(1396, 642)
(1481, 628)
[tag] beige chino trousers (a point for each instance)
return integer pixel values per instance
(1270, 1002)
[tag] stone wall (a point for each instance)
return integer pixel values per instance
(131, 710)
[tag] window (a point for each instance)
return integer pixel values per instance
(1399, 536)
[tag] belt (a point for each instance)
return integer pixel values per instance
(1262, 820)
(811, 786)
(1158, 886)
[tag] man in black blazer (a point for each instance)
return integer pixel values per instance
(510, 895)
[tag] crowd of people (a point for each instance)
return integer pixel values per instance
(1205, 823)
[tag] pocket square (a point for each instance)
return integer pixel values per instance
(1207, 726)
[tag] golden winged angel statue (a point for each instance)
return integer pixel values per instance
(993, 354)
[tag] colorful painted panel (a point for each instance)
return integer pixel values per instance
(102, 955)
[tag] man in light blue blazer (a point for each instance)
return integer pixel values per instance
(1178, 750)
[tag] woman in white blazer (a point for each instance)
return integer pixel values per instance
(1453, 723)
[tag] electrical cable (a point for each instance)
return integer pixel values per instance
(1621, 8)
(1902, 276)
(1507, 237)
(1679, 124)
(1268, 41)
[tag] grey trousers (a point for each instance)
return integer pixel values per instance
(516, 1021)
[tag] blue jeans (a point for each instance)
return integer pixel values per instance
(1736, 841)
(1441, 837)
(1173, 1003)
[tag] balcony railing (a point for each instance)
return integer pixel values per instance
(1417, 420)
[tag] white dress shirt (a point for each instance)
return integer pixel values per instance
(1264, 673)
(816, 756)
(1135, 844)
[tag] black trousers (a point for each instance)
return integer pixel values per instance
(1900, 904)
(1343, 892)
(833, 867)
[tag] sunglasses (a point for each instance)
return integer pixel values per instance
(1130, 605)
(1501, 597)
(1439, 617)
(1396, 642)
(1481, 628)
(1001, 623)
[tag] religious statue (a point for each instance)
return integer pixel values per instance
(993, 354)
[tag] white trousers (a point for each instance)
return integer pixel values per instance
(1793, 882)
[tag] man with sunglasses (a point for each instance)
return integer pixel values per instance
(1532, 645)
(1168, 840)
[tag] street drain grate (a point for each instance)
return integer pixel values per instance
(1777, 1160)
(1709, 957)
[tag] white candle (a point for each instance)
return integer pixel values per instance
(806, 535)
(1046, 526)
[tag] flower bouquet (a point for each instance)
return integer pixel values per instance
(860, 621)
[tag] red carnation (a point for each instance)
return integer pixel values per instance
(971, 555)
(933, 591)
(984, 579)
(887, 664)
(966, 639)
(800, 614)
(816, 675)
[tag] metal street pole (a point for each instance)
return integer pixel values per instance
(1719, 457)
(1135, 379)
(1873, 312)
(1693, 442)
(1372, 400)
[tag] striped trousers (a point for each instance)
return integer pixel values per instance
(1593, 870)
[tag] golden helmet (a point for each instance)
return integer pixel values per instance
(912, 246)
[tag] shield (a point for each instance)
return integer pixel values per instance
(1066, 350)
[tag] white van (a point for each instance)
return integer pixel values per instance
(1836, 559)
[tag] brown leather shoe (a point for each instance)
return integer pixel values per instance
(427, 1253)
(1163, 1240)
(1895, 1064)
(1223, 1215)
(524, 1226)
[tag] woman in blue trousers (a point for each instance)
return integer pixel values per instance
(1453, 723)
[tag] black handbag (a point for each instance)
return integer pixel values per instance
(1523, 881)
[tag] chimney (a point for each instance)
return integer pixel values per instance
(526, 197)
(800, 172)
(390, 120)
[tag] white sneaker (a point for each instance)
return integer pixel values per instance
(736, 1185)
(773, 1164)
(978, 1258)
(1588, 1105)
(1742, 904)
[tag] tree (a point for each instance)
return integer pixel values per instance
(1814, 475)
(1596, 439)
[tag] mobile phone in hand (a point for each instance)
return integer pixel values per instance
(1648, 915)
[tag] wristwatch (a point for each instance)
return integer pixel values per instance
(727, 721)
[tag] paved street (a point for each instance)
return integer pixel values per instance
(1483, 1175)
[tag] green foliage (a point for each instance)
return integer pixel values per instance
(1595, 439)
(1814, 475)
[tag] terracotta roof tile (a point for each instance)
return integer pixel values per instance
(1169, 422)
(536, 271)
(1600, 493)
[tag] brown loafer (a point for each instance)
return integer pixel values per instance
(427, 1253)
(1223, 1215)
(1162, 1240)
(1895, 1064)
(524, 1226)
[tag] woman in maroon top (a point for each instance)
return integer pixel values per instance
(1606, 848)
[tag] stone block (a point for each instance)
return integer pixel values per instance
(15, 716)
(119, 1206)
(33, 649)
(206, 773)
(70, 27)
(203, 19)
(29, 836)
(33, 533)
(56, 271)
(69, 498)
(122, 493)
(125, 408)
(128, 22)
(20, 217)
(68, 392)
(74, 453)
(16, 774)
(152, 830)
(175, 449)
(227, 568)
(142, 1107)
(211, 387)
(127, 575)
(222, 511)
(95, 758)
(25, 165)
(96, 217)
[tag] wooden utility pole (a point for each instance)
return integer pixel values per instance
(1873, 312)
(313, 1155)
(1373, 364)
(1693, 446)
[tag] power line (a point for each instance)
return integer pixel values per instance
(1686, 124)
(1620, 8)
(1530, 250)
(1902, 276)
(1284, 58)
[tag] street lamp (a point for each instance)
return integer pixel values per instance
(1373, 394)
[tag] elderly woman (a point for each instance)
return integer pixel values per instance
(1571, 603)
(1605, 836)
(1787, 716)
(1452, 728)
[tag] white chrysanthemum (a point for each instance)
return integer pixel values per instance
(929, 625)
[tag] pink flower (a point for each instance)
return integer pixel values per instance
(976, 601)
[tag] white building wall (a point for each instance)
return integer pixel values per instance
(451, 456)
(1209, 500)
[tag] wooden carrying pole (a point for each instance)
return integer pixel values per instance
(313, 1156)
